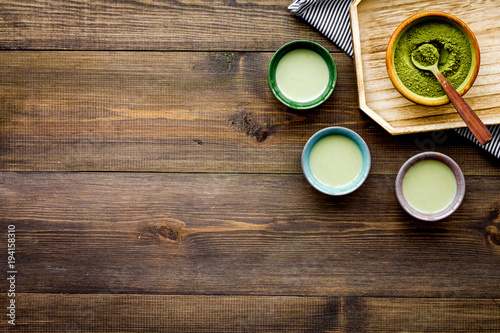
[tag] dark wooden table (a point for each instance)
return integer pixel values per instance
(152, 182)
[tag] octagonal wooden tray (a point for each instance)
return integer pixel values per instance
(374, 21)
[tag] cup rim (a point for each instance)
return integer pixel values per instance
(447, 211)
(313, 46)
(406, 24)
(365, 169)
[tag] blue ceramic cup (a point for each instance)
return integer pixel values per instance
(361, 177)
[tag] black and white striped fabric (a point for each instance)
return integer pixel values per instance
(492, 147)
(331, 18)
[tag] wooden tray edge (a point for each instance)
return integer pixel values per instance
(358, 67)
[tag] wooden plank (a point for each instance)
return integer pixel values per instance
(180, 313)
(179, 112)
(243, 234)
(151, 25)
(430, 315)
(374, 23)
(146, 313)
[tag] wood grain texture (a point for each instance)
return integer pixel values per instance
(151, 25)
(147, 313)
(243, 235)
(377, 20)
(179, 313)
(177, 203)
(179, 112)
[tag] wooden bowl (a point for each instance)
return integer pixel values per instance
(407, 24)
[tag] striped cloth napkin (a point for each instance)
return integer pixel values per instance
(331, 18)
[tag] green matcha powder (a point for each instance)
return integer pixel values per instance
(426, 55)
(455, 57)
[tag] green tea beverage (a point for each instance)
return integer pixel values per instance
(302, 75)
(335, 160)
(429, 186)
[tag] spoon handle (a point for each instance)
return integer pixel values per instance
(470, 118)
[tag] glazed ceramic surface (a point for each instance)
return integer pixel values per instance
(365, 167)
(459, 194)
(330, 67)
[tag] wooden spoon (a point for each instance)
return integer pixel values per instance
(426, 57)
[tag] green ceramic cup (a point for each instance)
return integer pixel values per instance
(302, 44)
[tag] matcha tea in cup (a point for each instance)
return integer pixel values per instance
(430, 186)
(302, 74)
(336, 160)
